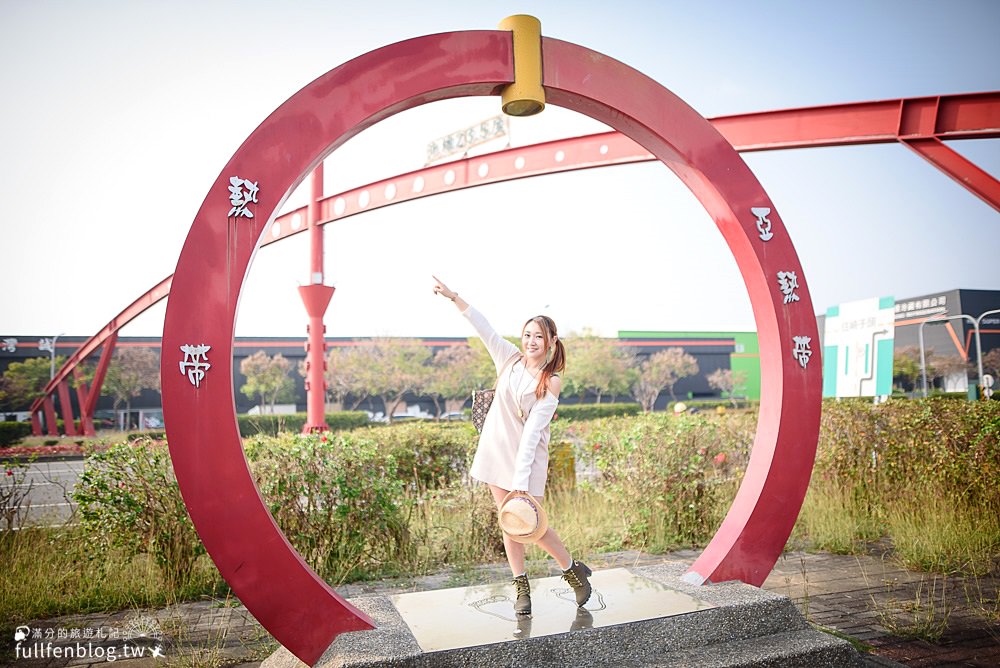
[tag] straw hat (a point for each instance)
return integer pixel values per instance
(523, 518)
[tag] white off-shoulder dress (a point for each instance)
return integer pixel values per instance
(513, 453)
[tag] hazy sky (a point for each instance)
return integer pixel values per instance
(117, 117)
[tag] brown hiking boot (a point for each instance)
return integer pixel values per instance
(576, 575)
(522, 606)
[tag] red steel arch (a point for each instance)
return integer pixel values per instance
(296, 606)
(921, 124)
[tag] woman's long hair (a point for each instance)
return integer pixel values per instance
(558, 360)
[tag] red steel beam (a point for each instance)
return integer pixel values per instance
(966, 116)
(922, 124)
(85, 426)
(69, 427)
(965, 172)
(49, 408)
(133, 310)
(946, 117)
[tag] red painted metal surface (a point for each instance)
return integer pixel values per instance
(907, 120)
(962, 170)
(952, 117)
(87, 409)
(86, 426)
(296, 606)
(316, 297)
(964, 116)
(49, 410)
(69, 428)
(315, 231)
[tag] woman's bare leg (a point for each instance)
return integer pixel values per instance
(550, 542)
(514, 550)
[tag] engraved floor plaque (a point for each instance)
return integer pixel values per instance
(470, 616)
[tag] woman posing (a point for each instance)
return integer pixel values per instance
(513, 453)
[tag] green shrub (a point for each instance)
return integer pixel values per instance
(337, 498)
(145, 436)
(712, 404)
(128, 499)
(13, 432)
(925, 447)
(272, 425)
(428, 455)
(922, 472)
(345, 420)
(594, 411)
(671, 476)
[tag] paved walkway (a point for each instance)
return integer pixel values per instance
(865, 598)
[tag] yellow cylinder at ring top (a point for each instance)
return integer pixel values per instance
(524, 97)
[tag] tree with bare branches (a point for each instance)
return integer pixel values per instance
(661, 371)
(131, 371)
(268, 379)
(726, 381)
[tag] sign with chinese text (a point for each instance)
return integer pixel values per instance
(858, 347)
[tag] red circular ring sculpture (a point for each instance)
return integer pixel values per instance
(289, 600)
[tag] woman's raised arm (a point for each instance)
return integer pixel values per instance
(441, 289)
(499, 348)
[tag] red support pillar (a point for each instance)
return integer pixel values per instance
(69, 425)
(50, 416)
(36, 424)
(87, 408)
(316, 298)
(86, 425)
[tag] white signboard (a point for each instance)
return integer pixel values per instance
(858, 348)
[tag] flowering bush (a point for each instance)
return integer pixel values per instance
(44, 450)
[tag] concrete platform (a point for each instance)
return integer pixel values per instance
(470, 616)
(643, 616)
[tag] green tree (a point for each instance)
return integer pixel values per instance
(661, 371)
(24, 381)
(348, 374)
(727, 381)
(399, 367)
(268, 379)
(595, 364)
(4, 393)
(131, 371)
(456, 372)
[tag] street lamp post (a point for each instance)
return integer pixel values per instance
(920, 336)
(52, 356)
